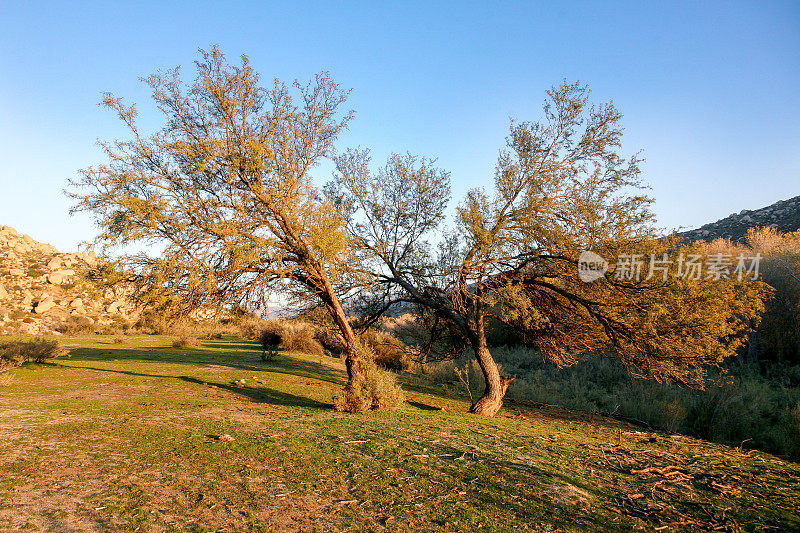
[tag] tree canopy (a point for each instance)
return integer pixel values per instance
(225, 188)
(561, 187)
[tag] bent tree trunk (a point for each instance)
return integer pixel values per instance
(352, 357)
(496, 385)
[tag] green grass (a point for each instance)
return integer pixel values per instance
(125, 437)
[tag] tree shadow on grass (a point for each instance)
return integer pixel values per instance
(258, 394)
(264, 394)
(247, 361)
(423, 406)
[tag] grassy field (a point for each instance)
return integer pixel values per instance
(126, 437)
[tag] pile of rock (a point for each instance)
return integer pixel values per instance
(42, 290)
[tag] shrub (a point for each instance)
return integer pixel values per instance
(330, 340)
(15, 353)
(290, 336)
(299, 337)
(184, 340)
(376, 390)
(251, 328)
(151, 324)
(77, 325)
(212, 329)
(386, 350)
(270, 341)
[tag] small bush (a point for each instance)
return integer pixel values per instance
(299, 337)
(184, 340)
(77, 325)
(330, 340)
(16, 353)
(270, 341)
(376, 390)
(110, 330)
(251, 328)
(151, 324)
(387, 351)
(289, 336)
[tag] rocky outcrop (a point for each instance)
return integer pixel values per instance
(43, 290)
(783, 216)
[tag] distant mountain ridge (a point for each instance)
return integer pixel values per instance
(783, 216)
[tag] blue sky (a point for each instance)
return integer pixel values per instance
(709, 90)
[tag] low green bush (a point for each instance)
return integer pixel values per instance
(15, 353)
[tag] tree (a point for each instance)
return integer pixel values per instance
(225, 188)
(561, 187)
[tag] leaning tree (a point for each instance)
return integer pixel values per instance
(561, 187)
(224, 191)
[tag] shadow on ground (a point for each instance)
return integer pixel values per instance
(236, 356)
(259, 394)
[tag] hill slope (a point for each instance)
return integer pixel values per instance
(783, 215)
(127, 437)
(42, 290)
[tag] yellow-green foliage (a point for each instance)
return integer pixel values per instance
(232, 201)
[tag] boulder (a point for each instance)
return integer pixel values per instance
(113, 307)
(16, 272)
(3, 293)
(54, 264)
(76, 303)
(44, 305)
(59, 276)
(55, 278)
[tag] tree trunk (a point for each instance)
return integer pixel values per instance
(496, 385)
(352, 358)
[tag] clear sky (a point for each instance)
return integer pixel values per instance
(710, 91)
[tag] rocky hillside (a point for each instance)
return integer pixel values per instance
(783, 215)
(43, 291)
